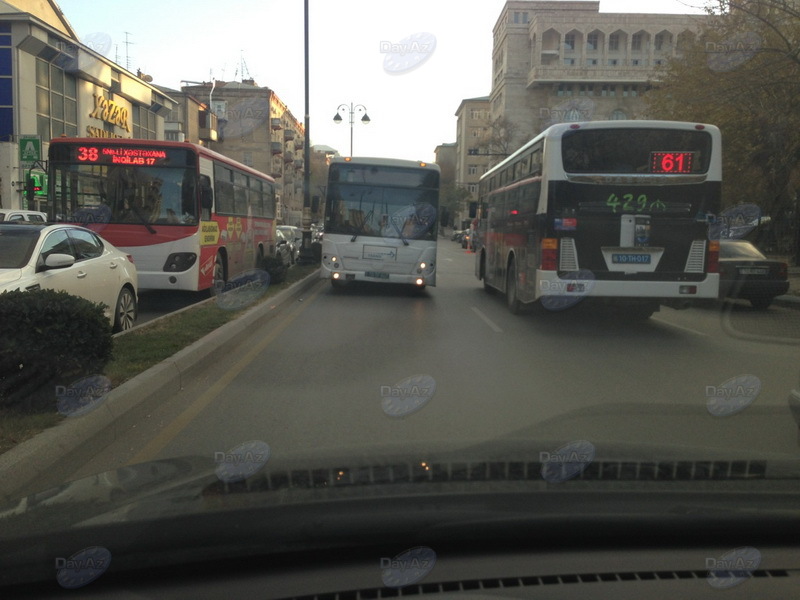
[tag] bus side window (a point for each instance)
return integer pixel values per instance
(206, 196)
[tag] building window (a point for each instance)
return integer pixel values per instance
(564, 89)
(591, 62)
(608, 90)
(613, 62)
(569, 42)
(144, 123)
(56, 102)
(525, 16)
(586, 89)
(636, 42)
(613, 41)
(476, 113)
(629, 91)
(472, 169)
(592, 41)
(570, 62)
(618, 115)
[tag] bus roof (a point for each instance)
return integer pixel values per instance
(556, 131)
(197, 149)
(384, 162)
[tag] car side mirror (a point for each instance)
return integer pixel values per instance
(58, 261)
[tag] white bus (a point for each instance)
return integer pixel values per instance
(613, 211)
(381, 221)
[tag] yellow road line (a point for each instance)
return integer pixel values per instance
(166, 435)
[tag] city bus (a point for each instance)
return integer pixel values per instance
(190, 217)
(381, 218)
(613, 211)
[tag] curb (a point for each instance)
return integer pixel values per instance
(77, 438)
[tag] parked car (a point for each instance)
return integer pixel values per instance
(456, 236)
(22, 216)
(295, 238)
(747, 274)
(72, 259)
(283, 248)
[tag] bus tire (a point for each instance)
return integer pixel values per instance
(512, 300)
(486, 287)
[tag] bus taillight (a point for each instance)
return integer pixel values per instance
(549, 254)
(713, 257)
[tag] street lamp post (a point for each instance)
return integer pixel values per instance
(351, 110)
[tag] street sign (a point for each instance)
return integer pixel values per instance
(30, 151)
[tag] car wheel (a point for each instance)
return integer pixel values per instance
(125, 311)
(761, 303)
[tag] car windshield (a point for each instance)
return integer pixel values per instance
(16, 246)
(523, 335)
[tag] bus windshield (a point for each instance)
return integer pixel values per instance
(382, 202)
(636, 151)
(126, 194)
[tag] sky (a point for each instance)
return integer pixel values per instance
(410, 63)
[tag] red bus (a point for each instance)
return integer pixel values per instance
(189, 216)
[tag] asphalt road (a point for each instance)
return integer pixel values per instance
(320, 377)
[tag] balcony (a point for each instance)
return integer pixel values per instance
(288, 135)
(276, 148)
(276, 124)
(276, 174)
(288, 157)
(580, 74)
(299, 143)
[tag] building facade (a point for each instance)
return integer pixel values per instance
(473, 130)
(256, 127)
(556, 61)
(51, 85)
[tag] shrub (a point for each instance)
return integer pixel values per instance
(275, 267)
(49, 335)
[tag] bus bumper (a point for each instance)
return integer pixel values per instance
(550, 284)
(419, 280)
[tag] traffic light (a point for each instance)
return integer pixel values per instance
(34, 185)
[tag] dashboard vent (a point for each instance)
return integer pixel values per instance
(516, 582)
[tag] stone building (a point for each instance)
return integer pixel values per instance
(255, 127)
(53, 85)
(556, 61)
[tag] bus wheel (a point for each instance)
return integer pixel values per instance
(514, 305)
(486, 287)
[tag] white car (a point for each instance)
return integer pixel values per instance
(22, 216)
(72, 259)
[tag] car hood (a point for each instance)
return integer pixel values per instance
(8, 277)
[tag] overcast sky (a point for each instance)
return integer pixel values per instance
(355, 57)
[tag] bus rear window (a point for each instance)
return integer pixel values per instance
(637, 151)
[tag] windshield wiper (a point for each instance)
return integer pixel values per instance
(361, 228)
(399, 232)
(143, 220)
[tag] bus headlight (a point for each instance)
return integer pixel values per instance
(425, 267)
(180, 261)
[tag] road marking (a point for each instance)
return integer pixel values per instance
(687, 329)
(170, 432)
(487, 320)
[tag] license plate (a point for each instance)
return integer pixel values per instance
(630, 259)
(753, 271)
(377, 274)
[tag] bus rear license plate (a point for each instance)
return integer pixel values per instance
(377, 274)
(630, 259)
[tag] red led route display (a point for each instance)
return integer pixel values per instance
(120, 155)
(671, 162)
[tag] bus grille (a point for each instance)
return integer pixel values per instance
(568, 257)
(696, 259)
